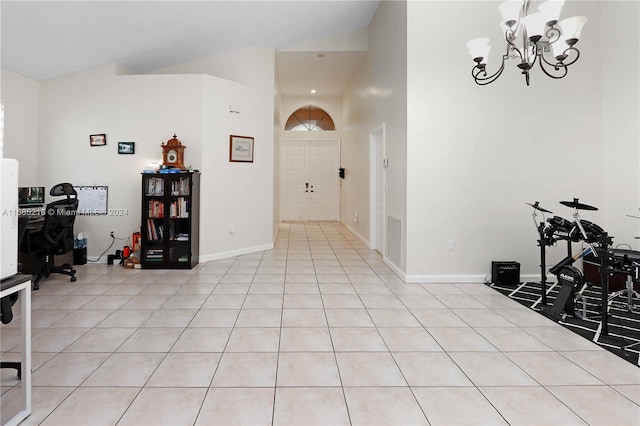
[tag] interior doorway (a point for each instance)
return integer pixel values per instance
(377, 190)
(309, 180)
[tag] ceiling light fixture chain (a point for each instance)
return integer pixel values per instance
(529, 36)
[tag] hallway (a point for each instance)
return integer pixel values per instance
(316, 331)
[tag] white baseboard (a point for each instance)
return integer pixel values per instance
(232, 253)
(460, 278)
(395, 269)
(207, 257)
(355, 233)
(275, 235)
(427, 279)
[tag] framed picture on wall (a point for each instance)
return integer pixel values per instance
(241, 149)
(126, 147)
(98, 140)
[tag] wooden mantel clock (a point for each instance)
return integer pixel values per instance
(173, 153)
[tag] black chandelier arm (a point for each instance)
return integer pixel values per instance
(577, 55)
(534, 54)
(557, 67)
(551, 64)
(562, 60)
(511, 46)
(479, 73)
(553, 34)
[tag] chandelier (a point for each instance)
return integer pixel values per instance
(529, 37)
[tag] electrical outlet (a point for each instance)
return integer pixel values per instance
(451, 245)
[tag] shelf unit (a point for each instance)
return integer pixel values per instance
(170, 219)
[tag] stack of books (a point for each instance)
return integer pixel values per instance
(154, 255)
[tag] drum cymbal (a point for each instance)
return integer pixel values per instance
(576, 205)
(537, 207)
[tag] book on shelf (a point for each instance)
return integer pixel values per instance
(180, 187)
(156, 209)
(155, 186)
(154, 255)
(179, 209)
(154, 230)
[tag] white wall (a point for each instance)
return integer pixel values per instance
(255, 68)
(276, 161)
(377, 95)
(20, 98)
(148, 109)
(477, 154)
(236, 209)
(621, 126)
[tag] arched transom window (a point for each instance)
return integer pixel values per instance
(310, 119)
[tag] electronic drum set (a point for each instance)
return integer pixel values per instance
(570, 279)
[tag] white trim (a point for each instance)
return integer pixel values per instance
(355, 233)
(395, 269)
(373, 179)
(216, 256)
(275, 235)
(427, 279)
(232, 253)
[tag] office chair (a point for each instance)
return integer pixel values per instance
(56, 236)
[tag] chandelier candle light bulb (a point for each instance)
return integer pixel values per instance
(479, 49)
(551, 11)
(528, 36)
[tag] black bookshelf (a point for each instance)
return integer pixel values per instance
(170, 218)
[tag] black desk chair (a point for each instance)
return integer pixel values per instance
(56, 236)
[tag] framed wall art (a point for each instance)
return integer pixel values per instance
(98, 140)
(241, 149)
(126, 147)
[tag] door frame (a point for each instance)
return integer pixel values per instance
(373, 174)
(283, 166)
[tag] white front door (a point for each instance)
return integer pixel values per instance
(310, 180)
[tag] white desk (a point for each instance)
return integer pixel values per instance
(22, 283)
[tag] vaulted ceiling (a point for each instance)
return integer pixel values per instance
(46, 39)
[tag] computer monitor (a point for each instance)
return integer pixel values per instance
(31, 196)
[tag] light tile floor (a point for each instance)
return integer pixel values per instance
(316, 331)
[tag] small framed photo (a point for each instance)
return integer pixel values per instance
(126, 147)
(241, 149)
(98, 140)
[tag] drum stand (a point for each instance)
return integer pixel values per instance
(570, 279)
(629, 290)
(542, 242)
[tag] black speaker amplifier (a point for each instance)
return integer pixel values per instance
(505, 273)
